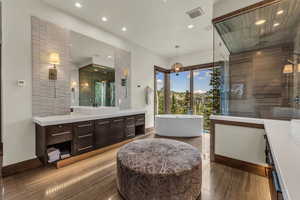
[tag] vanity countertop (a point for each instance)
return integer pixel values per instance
(286, 154)
(78, 117)
(237, 119)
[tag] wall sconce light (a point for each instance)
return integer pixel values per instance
(298, 67)
(73, 85)
(124, 81)
(125, 77)
(288, 69)
(85, 85)
(54, 59)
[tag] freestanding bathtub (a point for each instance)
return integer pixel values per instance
(179, 125)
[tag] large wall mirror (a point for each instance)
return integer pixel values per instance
(94, 71)
(71, 69)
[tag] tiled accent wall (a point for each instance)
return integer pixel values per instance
(50, 97)
(122, 61)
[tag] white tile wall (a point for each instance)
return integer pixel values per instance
(50, 97)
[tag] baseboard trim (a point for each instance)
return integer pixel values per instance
(21, 167)
(242, 165)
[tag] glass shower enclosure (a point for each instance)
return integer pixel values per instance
(259, 53)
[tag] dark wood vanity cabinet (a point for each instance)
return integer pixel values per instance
(82, 137)
(102, 133)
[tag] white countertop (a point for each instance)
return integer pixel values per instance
(237, 119)
(77, 117)
(285, 151)
(286, 154)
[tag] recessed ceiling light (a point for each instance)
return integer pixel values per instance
(191, 26)
(109, 57)
(78, 5)
(279, 12)
(124, 29)
(104, 19)
(260, 22)
(276, 24)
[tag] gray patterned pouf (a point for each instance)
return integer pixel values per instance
(159, 169)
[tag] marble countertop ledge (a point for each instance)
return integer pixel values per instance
(78, 117)
(285, 150)
(237, 119)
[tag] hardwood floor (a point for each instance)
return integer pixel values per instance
(94, 179)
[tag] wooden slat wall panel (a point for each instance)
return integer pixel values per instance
(265, 87)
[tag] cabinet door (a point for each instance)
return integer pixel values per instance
(102, 133)
(117, 130)
(130, 127)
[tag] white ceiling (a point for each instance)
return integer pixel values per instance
(157, 25)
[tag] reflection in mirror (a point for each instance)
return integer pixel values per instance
(93, 76)
(96, 86)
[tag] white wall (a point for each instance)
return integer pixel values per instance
(226, 6)
(143, 75)
(18, 129)
(241, 143)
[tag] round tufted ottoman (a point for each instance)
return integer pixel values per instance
(159, 169)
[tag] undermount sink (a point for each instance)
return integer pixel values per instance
(94, 110)
(295, 130)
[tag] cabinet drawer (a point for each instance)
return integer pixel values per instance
(59, 128)
(59, 133)
(140, 120)
(130, 121)
(83, 128)
(85, 143)
(56, 137)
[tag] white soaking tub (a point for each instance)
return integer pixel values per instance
(179, 125)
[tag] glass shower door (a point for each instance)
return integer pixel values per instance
(296, 92)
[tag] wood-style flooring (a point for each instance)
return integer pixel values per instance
(94, 179)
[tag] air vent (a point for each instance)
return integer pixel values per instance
(194, 13)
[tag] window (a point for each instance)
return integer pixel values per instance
(187, 92)
(202, 86)
(160, 92)
(180, 92)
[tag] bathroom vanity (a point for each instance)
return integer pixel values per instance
(81, 133)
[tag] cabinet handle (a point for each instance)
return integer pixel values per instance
(131, 118)
(88, 147)
(85, 136)
(60, 134)
(118, 120)
(103, 123)
(85, 125)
